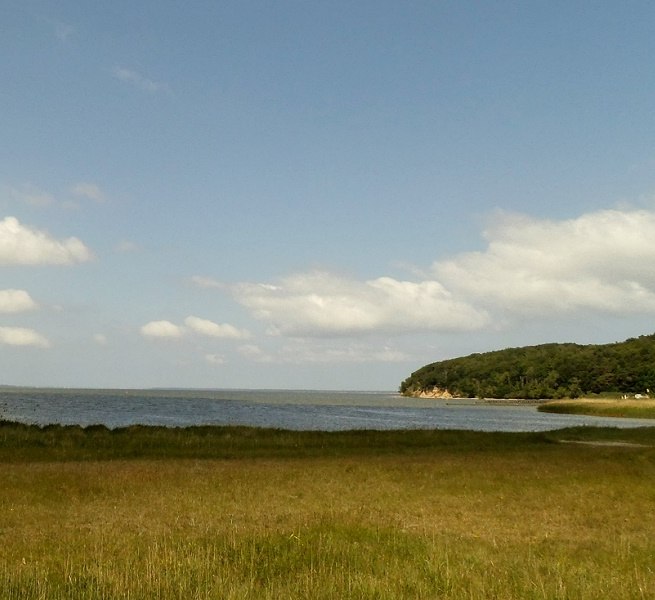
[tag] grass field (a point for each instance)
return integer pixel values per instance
(643, 408)
(244, 513)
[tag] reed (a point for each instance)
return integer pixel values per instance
(271, 514)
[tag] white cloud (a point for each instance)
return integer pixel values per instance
(19, 336)
(600, 261)
(322, 304)
(206, 282)
(195, 325)
(162, 329)
(89, 191)
(14, 301)
(136, 79)
(21, 245)
(209, 328)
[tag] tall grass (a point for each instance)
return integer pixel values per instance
(336, 564)
(268, 514)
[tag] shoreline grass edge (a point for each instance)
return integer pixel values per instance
(602, 407)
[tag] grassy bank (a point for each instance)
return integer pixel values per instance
(643, 408)
(246, 513)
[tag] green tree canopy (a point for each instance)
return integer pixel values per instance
(544, 371)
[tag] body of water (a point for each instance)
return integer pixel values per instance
(294, 409)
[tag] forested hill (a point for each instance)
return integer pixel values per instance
(545, 371)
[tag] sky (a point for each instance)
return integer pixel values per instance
(318, 195)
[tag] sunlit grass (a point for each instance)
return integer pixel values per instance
(424, 515)
(643, 408)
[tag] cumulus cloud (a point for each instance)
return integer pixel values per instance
(19, 336)
(15, 301)
(209, 328)
(600, 261)
(193, 325)
(323, 304)
(137, 80)
(162, 329)
(21, 245)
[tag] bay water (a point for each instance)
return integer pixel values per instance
(283, 409)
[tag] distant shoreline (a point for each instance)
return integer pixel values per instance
(642, 408)
(482, 401)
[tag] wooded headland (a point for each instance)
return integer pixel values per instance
(543, 371)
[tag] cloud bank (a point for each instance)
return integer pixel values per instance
(601, 261)
(323, 304)
(21, 245)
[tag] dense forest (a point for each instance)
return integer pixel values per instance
(544, 371)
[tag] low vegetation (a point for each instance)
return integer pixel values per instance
(603, 407)
(243, 513)
(544, 371)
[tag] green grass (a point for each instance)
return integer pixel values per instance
(267, 514)
(62, 443)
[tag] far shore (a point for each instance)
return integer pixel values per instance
(461, 401)
(641, 408)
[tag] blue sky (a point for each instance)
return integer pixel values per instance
(329, 195)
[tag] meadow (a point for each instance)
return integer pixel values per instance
(223, 512)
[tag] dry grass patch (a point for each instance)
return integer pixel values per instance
(643, 408)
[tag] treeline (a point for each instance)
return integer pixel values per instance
(544, 371)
